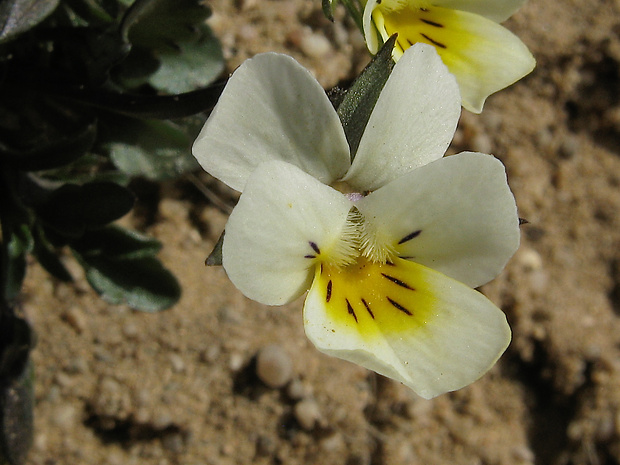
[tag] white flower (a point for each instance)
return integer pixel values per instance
(484, 56)
(389, 264)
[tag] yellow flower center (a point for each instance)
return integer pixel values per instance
(414, 22)
(375, 299)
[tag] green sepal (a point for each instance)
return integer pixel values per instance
(360, 99)
(215, 257)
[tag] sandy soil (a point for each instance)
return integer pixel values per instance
(119, 387)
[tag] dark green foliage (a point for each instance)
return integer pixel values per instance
(16, 387)
(92, 93)
(359, 101)
(89, 88)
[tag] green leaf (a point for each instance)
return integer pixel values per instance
(54, 154)
(144, 106)
(355, 8)
(120, 266)
(91, 11)
(150, 148)
(360, 99)
(48, 258)
(16, 388)
(194, 64)
(72, 209)
(116, 243)
(17, 246)
(174, 33)
(328, 9)
(159, 24)
(16, 417)
(17, 16)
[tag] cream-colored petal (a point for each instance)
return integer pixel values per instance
(412, 123)
(370, 29)
(284, 224)
(407, 322)
(455, 215)
(272, 109)
(495, 10)
(483, 56)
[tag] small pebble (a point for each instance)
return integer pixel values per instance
(307, 413)
(130, 330)
(314, 45)
(173, 442)
(178, 365)
(482, 143)
(333, 443)
(265, 446)
(64, 380)
(530, 259)
(523, 454)
(235, 362)
(76, 319)
(77, 365)
(65, 416)
(274, 366)
(296, 390)
(569, 147)
(210, 354)
(161, 421)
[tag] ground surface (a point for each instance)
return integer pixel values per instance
(120, 387)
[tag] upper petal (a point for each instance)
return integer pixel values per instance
(272, 109)
(407, 322)
(412, 123)
(274, 237)
(456, 215)
(495, 10)
(483, 56)
(370, 31)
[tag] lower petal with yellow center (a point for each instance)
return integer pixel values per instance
(405, 321)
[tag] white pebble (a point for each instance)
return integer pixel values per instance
(315, 45)
(178, 365)
(307, 413)
(530, 259)
(273, 366)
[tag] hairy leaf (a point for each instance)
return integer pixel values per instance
(152, 149)
(72, 209)
(17, 16)
(360, 99)
(125, 270)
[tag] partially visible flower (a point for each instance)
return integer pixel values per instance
(389, 245)
(483, 55)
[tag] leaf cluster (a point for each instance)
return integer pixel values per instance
(92, 94)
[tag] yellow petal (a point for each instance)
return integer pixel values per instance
(407, 322)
